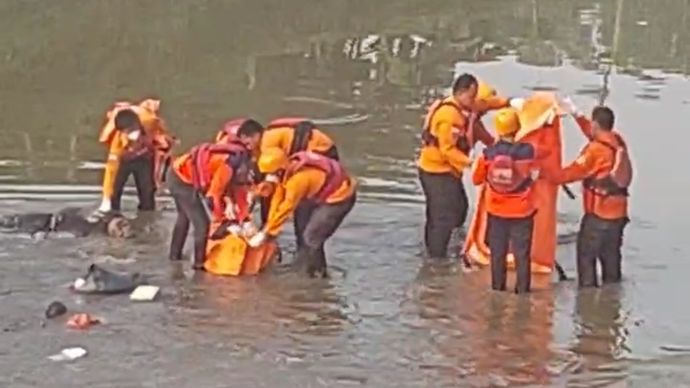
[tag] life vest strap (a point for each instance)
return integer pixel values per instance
(428, 139)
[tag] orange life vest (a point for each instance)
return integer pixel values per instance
(231, 128)
(465, 135)
(335, 173)
(238, 158)
(619, 178)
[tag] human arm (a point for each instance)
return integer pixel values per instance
(480, 170)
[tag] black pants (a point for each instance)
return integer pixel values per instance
(319, 225)
(446, 209)
(189, 209)
(516, 234)
(142, 169)
(599, 239)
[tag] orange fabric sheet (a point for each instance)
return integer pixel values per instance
(232, 256)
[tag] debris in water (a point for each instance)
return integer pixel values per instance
(69, 354)
(676, 348)
(82, 321)
(55, 309)
(100, 281)
(144, 293)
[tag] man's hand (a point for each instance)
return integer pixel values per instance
(569, 106)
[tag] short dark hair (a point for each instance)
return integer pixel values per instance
(250, 127)
(464, 82)
(603, 116)
(127, 120)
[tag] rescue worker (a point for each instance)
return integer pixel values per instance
(605, 170)
(450, 131)
(205, 183)
(508, 168)
(293, 135)
(242, 127)
(306, 177)
(138, 144)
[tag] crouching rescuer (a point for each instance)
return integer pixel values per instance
(306, 178)
(508, 168)
(205, 184)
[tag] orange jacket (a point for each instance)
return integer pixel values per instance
(281, 137)
(515, 204)
(448, 123)
(595, 161)
(220, 172)
(303, 185)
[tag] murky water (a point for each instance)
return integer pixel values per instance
(386, 317)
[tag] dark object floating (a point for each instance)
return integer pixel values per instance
(100, 281)
(676, 348)
(586, 92)
(644, 96)
(542, 88)
(647, 77)
(55, 309)
(567, 238)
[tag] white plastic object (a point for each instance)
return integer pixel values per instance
(144, 293)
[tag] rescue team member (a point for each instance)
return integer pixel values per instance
(508, 168)
(307, 177)
(251, 132)
(292, 135)
(138, 141)
(204, 184)
(451, 129)
(241, 127)
(605, 170)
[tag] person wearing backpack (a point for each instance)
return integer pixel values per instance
(605, 169)
(509, 169)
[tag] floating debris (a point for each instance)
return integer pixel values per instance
(55, 309)
(69, 354)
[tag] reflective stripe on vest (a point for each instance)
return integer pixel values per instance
(335, 173)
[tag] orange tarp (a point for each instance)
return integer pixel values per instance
(546, 138)
(231, 256)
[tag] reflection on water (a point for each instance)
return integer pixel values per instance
(365, 71)
(600, 338)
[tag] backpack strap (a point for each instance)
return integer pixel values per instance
(301, 136)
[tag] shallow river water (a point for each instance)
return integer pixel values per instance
(387, 317)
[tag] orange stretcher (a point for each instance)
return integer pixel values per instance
(232, 256)
(538, 111)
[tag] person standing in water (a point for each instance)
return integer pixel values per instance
(605, 169)
(508, 168)
(451, 129)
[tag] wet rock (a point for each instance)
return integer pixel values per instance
(55, 309)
